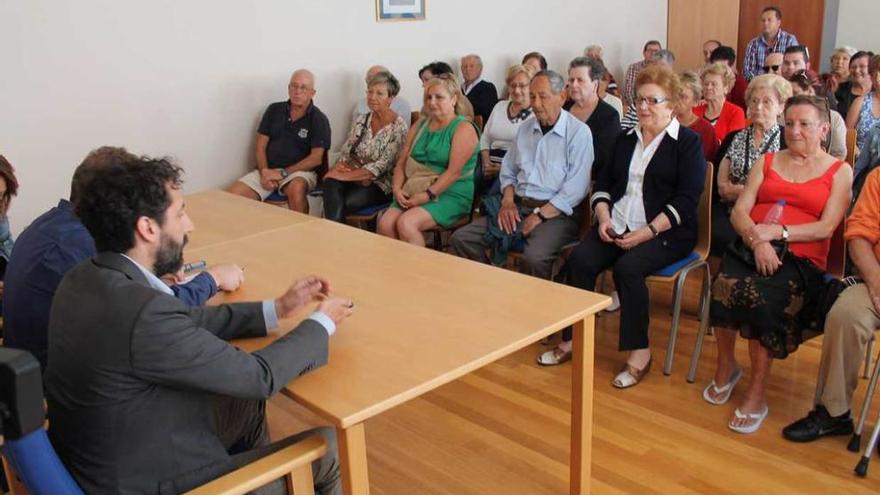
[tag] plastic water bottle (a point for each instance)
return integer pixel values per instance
(774, 216)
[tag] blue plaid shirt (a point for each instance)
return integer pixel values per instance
(757, 50)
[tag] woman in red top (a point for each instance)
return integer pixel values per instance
(684, 112)
(726, 117)
(763, 298)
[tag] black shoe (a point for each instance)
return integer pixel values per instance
(818, 423)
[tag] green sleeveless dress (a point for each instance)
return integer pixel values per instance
(432, 149)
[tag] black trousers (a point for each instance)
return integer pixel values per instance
(343, 198)
(630, 269)
(241, 426)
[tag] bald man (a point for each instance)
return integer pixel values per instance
(398, 104)
(291, 141)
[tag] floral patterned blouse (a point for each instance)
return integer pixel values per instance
(742, 152)
(375, 153)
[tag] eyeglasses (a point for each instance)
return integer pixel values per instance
(768, 68)
(299, 87)
(519, 86)
(650, 100)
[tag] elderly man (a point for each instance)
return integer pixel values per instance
(772, 39)
(291, 141)
(544, 177)
(482, 94)
(708, 48)
(632, 72)
(737, 94)
(849, 326)
(772, 64)
(398, 104)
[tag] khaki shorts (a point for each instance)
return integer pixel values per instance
(252, 180)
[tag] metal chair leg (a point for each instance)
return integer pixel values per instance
(704, 325)
(869, 396)
(677, 292)
(868, 353)
(861, 468)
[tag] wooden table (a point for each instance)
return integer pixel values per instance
(422, 319)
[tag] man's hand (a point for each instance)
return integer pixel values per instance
(508, 216)
(269, 178)
(337, 308)
(299, 294)
(228, 277)
(529, 224)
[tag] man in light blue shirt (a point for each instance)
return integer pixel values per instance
(544, 178)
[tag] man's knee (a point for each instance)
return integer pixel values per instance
(851, 316)
(296, 188)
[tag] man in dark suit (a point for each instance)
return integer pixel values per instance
(482, 94)
(145, 394)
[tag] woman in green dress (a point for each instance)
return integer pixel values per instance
(446, 142)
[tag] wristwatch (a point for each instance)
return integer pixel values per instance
(431, 195)
(284, 173)
(653, 229)
(785, 233)
(537, 211)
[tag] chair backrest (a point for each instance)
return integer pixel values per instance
(836, 265)
(704, 215)
(851, 146)
(478, 119)
(35, 463)
(414, 117)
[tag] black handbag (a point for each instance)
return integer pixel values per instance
(740, 251)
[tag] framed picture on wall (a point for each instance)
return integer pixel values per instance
(400, 10)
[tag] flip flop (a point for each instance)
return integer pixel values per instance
(758, 419)
(727, 389)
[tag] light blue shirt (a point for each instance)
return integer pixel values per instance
(552, 167)
(269, 314)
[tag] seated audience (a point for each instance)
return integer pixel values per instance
(632, 72)
(608, 85)
(432, 70)
(766, 96)
(291, 142)
(645, 202)
(433, 181)
(536, 60)
(864, 113)
(839, 67)
(151, 397)
(737, 94)
(767, 290)
(835, 142)
(481, 93)
(663, 58)
(858, 85)
(849, 326)
(399, 104)
(708, 48)
(584, 74)
(544, 177)
(361, 177)
(8, 189)
(56, 242)
(691, 93)
(500, 130)
(796, 60)
(772, 64)
(771, 40)
(726, 117)
(868, 160)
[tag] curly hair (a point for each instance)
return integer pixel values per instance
(119, 194)
(665, 78)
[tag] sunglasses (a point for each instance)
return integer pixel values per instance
(768, 68)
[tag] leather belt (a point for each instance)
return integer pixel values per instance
(529, 202)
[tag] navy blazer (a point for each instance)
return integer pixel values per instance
(674, 180)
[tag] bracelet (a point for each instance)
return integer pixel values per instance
(653, 229)
(431, 195)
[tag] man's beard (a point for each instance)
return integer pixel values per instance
(169, 259)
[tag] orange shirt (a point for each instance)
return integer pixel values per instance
(864, 222)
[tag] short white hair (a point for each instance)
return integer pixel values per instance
(473, 56)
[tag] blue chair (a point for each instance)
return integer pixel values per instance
(32, 466)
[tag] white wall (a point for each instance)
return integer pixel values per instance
(857, 24)
(190, 78)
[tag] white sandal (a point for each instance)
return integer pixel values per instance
(757, 417)
(554, 356)
(726, 390)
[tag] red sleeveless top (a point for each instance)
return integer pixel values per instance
(804, 202)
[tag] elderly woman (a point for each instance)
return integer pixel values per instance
(858, 85)
(433, 180)
(361, 177)
(433, 70)
(8, 189)
(864, 113)
(765, 99)
(584, 76)
(835, 142)
(645, 202)
(500, 130)
(536, 60)
(773, 276)
(840, 63)
(691, 93)
(718, 79)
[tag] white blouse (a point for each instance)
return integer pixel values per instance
(499, 131)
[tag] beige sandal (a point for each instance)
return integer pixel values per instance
(554, 356)
(629, 376)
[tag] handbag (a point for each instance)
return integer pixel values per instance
(419, 177)
(740, 251)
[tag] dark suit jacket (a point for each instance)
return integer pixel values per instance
(133, 374)
(483, 98)
(604, 124)
(674, 180)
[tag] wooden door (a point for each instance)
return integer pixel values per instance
(690, 23)
(803, 18)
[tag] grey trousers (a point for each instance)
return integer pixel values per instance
(542, 245)
(242, 428)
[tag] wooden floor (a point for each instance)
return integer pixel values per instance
(505, 428)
